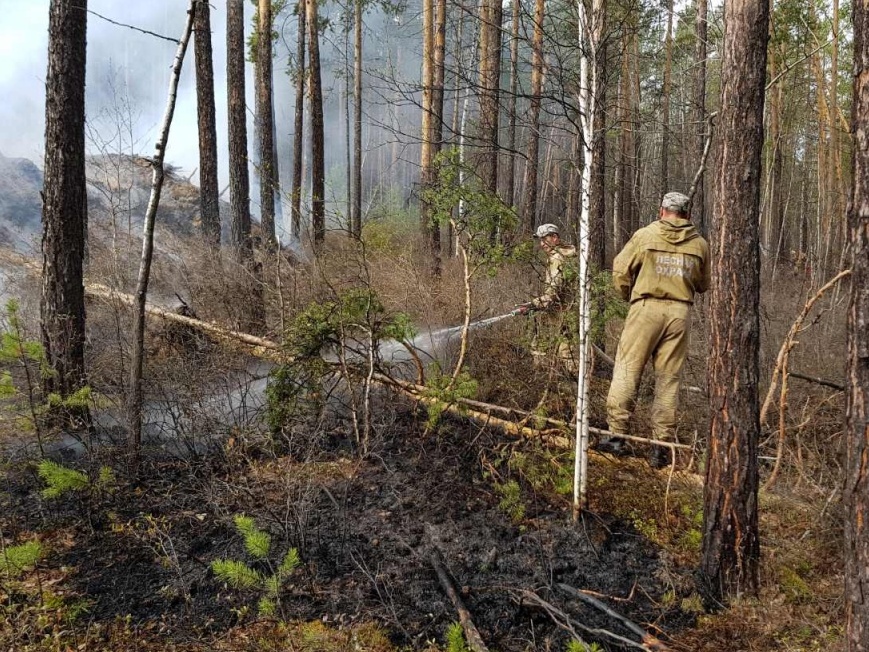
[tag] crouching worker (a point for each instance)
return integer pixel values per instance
(659, 271)
(555, 300)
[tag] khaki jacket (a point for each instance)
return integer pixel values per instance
(667, 259)
(555, 284)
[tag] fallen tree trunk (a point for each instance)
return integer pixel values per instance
(472, 634)
(477, 410)
(261, 347)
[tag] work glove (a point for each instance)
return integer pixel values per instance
(523, 308)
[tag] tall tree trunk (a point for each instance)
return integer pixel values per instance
(698, 207)
(490, 77)
(510, 194)
(64, 211)
(665, 101)
(775, 210)
(624, 169)
(318, 163)
(239, 181)
(437, 107)
(356, 218)
(731, 544)
(856, 489)
(299, 128)
(529, 210)
(597, 190)
(135, 401)
(265, 123)
(208, 184)
(428, 227)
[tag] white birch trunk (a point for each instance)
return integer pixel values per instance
(135, 398)
(586, 103)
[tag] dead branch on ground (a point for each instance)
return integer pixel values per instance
(435, 557)
(649, 642)
(568, 624)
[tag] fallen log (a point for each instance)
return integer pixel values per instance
(472, 634)
(480, 410)
(477, 410)
(261, 347)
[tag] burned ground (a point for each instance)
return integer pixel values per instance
(363, 529)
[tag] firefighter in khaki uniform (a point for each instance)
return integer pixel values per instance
(659, 271)
(555, 300)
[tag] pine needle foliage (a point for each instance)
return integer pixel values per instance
(61, 479)
(236, 574)
(240, 576)
(445, 392)
(355, 315)
(17, 559)
(256, 541)
(456, 638)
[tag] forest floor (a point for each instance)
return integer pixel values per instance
(127, 564)
(130, 568)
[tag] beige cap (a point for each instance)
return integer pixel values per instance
(545, 229)
(675, 202)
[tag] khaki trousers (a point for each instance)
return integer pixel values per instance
(656, 329)
(552, 336)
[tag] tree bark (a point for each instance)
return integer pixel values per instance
(299, 128)
(135, 398)
(318, 165)
(64, 213)
(239, 180)
(208, 183)
(665, 101)
(529, 210)
(510, 194)
(698, 207)
(731, 543)
(489, 80)
(356, 217)
(265, 122)
(597, 190)
(856, 489)
(429, 230)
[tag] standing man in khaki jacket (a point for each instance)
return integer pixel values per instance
(555, 300)
(659, 271)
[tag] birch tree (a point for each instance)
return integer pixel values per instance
(135, 400)
(585, 101)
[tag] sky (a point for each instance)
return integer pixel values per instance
(124, 67)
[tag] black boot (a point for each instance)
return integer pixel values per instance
(612, 445)
(659, 457)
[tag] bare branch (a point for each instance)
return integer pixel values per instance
(133, 27)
